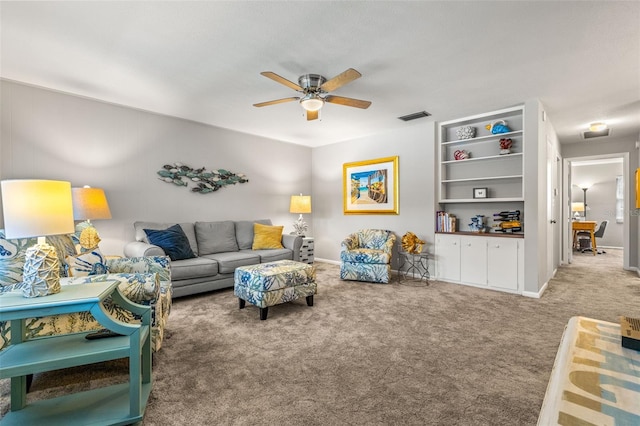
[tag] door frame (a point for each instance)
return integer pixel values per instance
(567, 245)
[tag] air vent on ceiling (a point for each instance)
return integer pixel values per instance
(589, 134)
(414, 116)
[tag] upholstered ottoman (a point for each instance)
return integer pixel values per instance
(269, 284)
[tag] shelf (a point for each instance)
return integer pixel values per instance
(102, 406)
(483, 178)
(486, 234)
(483, 138)
(480, 200)
(57, 352)
(490, 157)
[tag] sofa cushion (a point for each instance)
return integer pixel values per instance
(216, 237)
(267, 237)
(187, 228)
(193, 268)
(271, 255)
(172, 240)
(244, 232)
(228, 262)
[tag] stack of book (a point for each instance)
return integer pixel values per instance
(445, 222)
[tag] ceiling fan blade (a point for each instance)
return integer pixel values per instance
(347, 101)
(275, 77)
(312, 115)
(340, 80)
(276, 101)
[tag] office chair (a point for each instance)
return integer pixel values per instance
(598, 234)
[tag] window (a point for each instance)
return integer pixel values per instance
(619, 199)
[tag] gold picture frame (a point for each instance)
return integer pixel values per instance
(371, 186)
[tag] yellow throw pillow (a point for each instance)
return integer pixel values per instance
(267, 237)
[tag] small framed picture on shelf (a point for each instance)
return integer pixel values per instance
(479, 192)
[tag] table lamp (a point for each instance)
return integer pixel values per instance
(37, 208)
(89, 203)
(577, 208)
(300, 204)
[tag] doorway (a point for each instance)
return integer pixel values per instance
(592, 186)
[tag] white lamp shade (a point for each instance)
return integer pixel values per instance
(300, 204)
(90, 203)
(36, 208)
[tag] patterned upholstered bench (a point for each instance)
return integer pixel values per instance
(269, 284)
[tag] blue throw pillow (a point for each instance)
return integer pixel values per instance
(173, 241)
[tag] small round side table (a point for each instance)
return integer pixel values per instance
(418, 266)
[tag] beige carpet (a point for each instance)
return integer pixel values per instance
(367, 354)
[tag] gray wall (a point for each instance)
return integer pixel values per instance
(50, 135)
(415, 147)
(601, 197)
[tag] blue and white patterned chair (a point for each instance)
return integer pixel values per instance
(366, 256)
(144, 280)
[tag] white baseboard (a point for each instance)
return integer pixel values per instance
(537, 295)
(333, 262)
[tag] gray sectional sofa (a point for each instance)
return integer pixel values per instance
(220, 247)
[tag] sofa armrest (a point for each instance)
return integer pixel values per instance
(141, 249)
(294, 243)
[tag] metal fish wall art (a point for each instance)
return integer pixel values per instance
(205, 180)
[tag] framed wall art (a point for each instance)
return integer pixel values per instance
(479, 192)
(371, 186)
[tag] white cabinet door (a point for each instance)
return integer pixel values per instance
(502, 261)
(473, 260)
(448, 257)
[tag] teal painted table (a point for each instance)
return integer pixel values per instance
(113, 405)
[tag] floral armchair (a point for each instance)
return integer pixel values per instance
(143, 280)
(366, 256)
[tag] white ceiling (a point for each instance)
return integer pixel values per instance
(202, 60)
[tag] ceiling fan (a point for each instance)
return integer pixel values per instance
(314, 89)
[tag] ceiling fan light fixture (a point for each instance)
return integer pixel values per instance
(598, 126)
(311, 102)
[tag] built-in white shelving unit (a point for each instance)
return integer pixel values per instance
(501, 175)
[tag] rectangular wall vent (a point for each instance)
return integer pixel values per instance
(591, 135)
(414, 116)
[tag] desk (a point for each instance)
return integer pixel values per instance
(585, 226)
(594, 379)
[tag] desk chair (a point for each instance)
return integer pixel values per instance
(598, 234)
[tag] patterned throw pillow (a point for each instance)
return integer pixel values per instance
(12, 255)
(267, 237)
(88, 263)
(173, 241)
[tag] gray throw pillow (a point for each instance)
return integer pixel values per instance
(216, 237)
(244, 232)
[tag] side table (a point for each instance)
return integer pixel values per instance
(306, 251)
(118, 404)
(417, 266)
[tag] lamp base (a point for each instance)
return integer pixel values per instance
(300, 226)
(41, 275)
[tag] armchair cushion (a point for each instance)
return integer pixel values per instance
(88, 263)
(12, 255)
